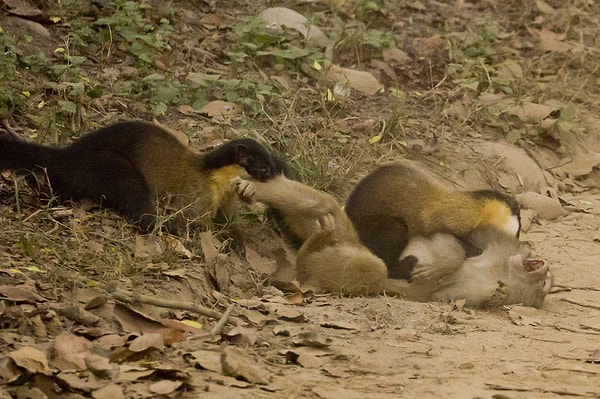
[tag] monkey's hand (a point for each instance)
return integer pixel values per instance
(243, 188)
(434, 270)
(423, 272)
(498, 297)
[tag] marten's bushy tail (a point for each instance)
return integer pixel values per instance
(20, 155)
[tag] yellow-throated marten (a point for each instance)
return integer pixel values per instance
(128, 166)
(397, 201)
(332, 259)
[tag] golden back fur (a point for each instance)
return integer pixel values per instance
(181, 182)
(403, 191)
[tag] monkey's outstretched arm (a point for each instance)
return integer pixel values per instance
(287, 196)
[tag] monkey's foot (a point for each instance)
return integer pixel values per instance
(243, 188)
(325, 223)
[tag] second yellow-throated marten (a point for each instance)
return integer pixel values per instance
(128, 166)
(332, 259)
(397, 201)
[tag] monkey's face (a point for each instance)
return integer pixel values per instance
(500, 275)
(527, 281)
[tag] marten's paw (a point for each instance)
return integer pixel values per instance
(244, 189)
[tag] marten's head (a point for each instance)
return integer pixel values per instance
(258, 162)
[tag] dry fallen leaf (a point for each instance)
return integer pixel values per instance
(20, 293)
(236, 363)
(71, 351)
(164, 387)
(545, 207)
(550, 41)
(361, 81)
(220, 110)
(21, 8)
(100, 366)
(510, 70)
(255, 317)
(147, 246)
(242, 335)
(111, 391)
(135, 322)
(582, 163)
(204, 359)
(594, 357)
(524, 316)
(531, 112)
(129, 373)
(189, 326)
(260, 263)
(544, 7)
(147, 341)
(80, 381)
(288, 313)
(312, 339)
(31, 359)
(278, 17)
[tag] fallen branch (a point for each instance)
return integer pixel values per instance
(217, 328)
(10, 130)
(585, 305)
(130, 297)
(75, 313)
(577, 330)
(498, 387)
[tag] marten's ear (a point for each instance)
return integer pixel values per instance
(241, 154)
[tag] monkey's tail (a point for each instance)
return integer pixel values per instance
(19, 155)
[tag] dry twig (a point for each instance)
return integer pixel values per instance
(130, 297)
(9, 129)
(217, 328)
(585, 305)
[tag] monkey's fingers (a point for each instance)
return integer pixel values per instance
(423, 273)
(243, 188)
(499, 296)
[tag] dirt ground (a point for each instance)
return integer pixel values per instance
(499, 94)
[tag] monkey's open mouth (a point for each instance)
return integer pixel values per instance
(538, 269)
(534, 265)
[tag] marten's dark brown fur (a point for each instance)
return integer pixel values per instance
(128, 166)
